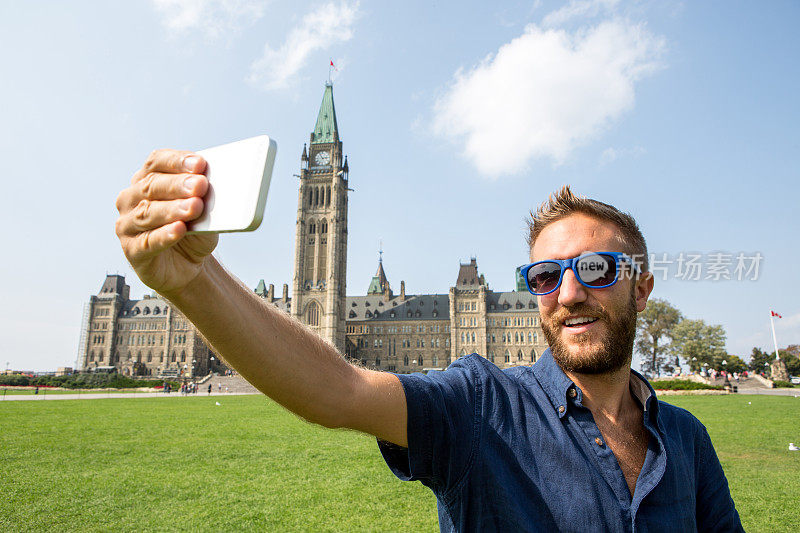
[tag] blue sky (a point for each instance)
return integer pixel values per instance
(458, 118)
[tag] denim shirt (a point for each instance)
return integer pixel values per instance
(516, 450)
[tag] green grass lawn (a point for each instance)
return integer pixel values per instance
(188, 464)
(751, 434)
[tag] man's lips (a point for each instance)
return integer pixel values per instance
(579, 324)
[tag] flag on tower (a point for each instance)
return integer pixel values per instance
(334, 66)
(775, 314)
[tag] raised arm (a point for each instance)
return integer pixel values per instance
(274, 352)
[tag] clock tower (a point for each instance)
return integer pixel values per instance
(320, 264)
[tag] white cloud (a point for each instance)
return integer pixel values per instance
(210, 17)
(546, 92)
(278, 67)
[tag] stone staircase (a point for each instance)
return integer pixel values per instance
(230, 384)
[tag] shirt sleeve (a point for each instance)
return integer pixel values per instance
(715, 508)
(442, 426)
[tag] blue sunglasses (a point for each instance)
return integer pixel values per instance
(595, 270)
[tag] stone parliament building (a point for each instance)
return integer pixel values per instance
(382, 329)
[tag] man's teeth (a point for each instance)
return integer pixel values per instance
(579, 320)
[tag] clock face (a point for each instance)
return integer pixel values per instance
(323, 158)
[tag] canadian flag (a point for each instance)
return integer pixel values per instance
(334, 66)
(775, 314)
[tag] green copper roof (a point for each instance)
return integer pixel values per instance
(375, 286)
(379, 282)
(521, 286)
(326, 128)
(261, 290)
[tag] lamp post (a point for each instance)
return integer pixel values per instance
(694, 364)
(211, 369)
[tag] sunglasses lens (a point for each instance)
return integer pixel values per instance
(596, 270)
(543, 277)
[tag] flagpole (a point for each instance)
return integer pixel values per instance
(774, 339)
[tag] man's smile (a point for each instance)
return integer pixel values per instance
(579, 324)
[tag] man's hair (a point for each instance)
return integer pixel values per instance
(564, 203)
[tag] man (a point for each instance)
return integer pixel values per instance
(576, 442)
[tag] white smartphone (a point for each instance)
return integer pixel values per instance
(238, 175)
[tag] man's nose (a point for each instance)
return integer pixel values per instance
(571, 291)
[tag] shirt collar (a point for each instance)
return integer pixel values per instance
(553, 381)
(556, 385)
(646, 395)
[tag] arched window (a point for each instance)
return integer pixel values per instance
(519, 355)
(183, 356)
(421, 360)
(377, 361)
(316, 195)
(149, 357)
(507, 356)
(327, 196)
(491, 357)
(405, 360)
(435, 360)
(530, 338)
(312, 318)
(533, 355)
(310, 195)
(312, 228)
(462, 338)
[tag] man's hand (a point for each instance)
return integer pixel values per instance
(164, 195)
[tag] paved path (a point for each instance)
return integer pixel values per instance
(753, 386)
(104, 395)
(220, 386)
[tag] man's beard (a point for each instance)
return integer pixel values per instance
(615, 349)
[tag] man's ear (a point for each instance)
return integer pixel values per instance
(644, 286)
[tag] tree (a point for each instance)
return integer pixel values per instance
(791, 361)
(699, 344)
(735, 364)
(653, 334)
(759, 361)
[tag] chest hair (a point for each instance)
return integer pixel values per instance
(628, 439)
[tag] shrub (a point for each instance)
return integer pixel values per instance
(83, 381)
(682, 384)
(783, 384)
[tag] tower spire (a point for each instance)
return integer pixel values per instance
(326, 130)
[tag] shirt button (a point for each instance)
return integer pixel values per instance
(560, 408)
(599, 441)
(572, 393)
